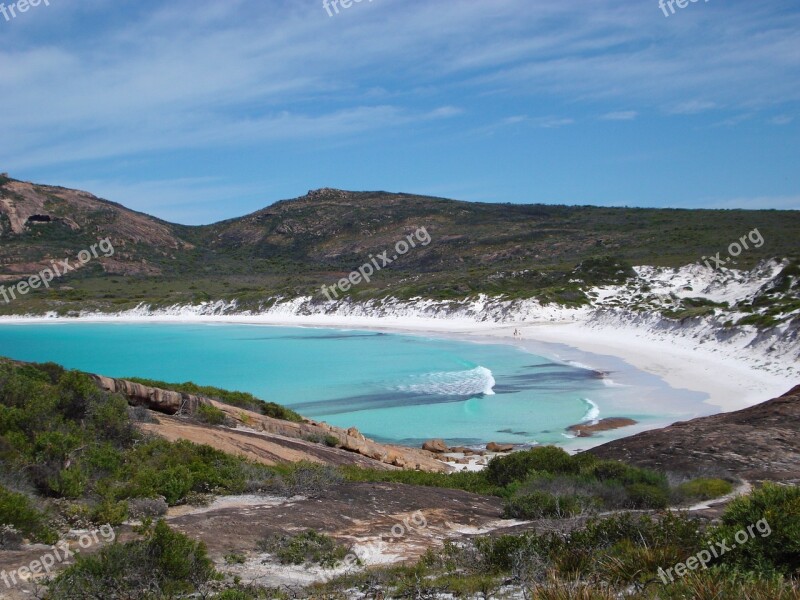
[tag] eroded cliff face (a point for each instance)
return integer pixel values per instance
(275, 434)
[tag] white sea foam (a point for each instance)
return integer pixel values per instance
(479, 380)
(611, 383)
(593, 414)
(577, 365)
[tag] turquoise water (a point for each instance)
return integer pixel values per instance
(395, 388)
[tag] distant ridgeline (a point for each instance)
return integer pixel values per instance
(294, 247)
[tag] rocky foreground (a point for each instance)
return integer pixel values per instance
(759, 443)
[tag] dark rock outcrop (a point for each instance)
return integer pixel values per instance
(757, 443)
(589, 429)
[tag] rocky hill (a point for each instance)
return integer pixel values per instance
(293, 247)
(40, 223)
(756, 444)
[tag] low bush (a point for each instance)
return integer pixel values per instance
(21, 517)
(164, 564)
(141, 414)
(144, 508)
(713, 584)
(541, 505)
(770, 518)
(211, 415)
(505, 470)
(308, 479)
(645, 495)
(703, 489)
(306, 548)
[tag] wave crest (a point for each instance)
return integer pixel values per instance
(479, 380)
(592, 412)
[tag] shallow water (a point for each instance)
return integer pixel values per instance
(397, 388)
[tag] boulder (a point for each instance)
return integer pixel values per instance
(353, 432)
(437, 446)
(500, 448)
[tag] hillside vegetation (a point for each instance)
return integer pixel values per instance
(293, 247)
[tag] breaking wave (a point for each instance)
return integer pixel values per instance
(592, 413)
(479, 380)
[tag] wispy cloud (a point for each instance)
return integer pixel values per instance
(781, 120)
(691, 107)
(552, 122)
(624, 115)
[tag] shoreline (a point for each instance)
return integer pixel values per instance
(728, 382)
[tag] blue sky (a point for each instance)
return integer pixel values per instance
(197, 111)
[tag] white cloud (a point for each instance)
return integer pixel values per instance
(552, 122)
(781, 120)
(691, 107)
(625, 115)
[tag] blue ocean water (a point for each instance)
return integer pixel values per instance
(397, 388)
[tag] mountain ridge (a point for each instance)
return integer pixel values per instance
(293, 247)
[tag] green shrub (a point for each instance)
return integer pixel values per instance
(498, 554)
(611, 470)
(165, 564)
(541, 505)
(309, 479)
(329, 440)
(70, 483)
(207, 413)
(644, 495)
(770, 517)
(108, 512)
(704, 489)
(308, 547)
(516, 466)
(19, 512)
(636, 545)
(718, 583)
